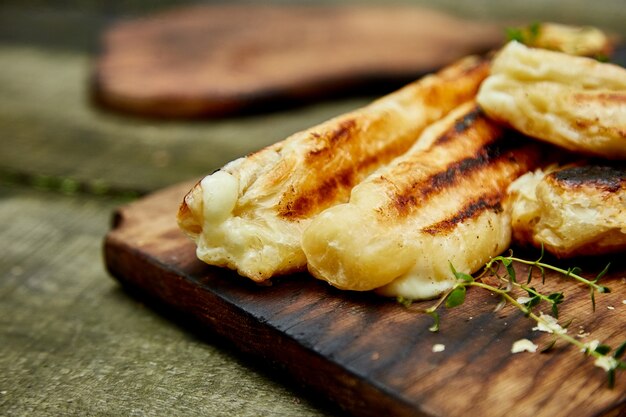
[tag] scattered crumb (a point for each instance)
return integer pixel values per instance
(439, 347)
(523, 345)
(591, 345)
(623, 301)
(607, 363)
(549, 324)
(610, 307)
(375, 356)
(582, 333)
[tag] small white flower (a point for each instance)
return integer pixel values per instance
(439, 347)
(549, 324)
(523, 345)
(591, 346)
(606, 362)
(523, 300)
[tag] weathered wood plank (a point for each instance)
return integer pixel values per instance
(368, 354)
(72, 343)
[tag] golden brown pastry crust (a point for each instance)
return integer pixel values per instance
(434, 205)
(575, 102)
(572, 211)
(249, 215)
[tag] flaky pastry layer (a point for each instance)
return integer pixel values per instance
(575, 102)
(249, 215)
(435, 205)
(579, 210)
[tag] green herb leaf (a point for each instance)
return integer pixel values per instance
(465, 277)
(456, 297)
(406, 302)
(534, 29)
(461, 275)
(602, 273)
(514, 34)
(603, 349)
(508, 265)
(555, 311)
(533, 301)
(619, 352)
(593, 299)
(530, 274)
(556, 297)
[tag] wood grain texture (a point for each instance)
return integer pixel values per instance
(223, 59)
(368, 354)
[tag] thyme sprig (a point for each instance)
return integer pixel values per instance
(505, 289)
(507, 261)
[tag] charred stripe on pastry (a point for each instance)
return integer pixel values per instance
(470, 129)
(470, 210)
(320, 191)
(606, 178)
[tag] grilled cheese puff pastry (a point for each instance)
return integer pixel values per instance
(574, 102)
(435, 205)
(249, 215)
(571, 211)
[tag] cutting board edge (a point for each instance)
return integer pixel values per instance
(346, 384)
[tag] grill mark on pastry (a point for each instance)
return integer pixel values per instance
(470, 210)
(319, 195)
(344, 132)
(605, 178)
(407, 198)
(419, 193)
(321, 189)
(462, 125)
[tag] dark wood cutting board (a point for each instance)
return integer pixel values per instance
(371, 355)
(215, 60)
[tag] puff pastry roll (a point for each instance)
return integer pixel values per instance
(575, 102)
(249, 215)
(577, 210)
(435, 205)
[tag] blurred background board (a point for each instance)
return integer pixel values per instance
(222, 60)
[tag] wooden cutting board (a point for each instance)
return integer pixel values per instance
(371, 355)
(224, 59)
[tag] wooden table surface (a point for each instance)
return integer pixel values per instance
(72, 342)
